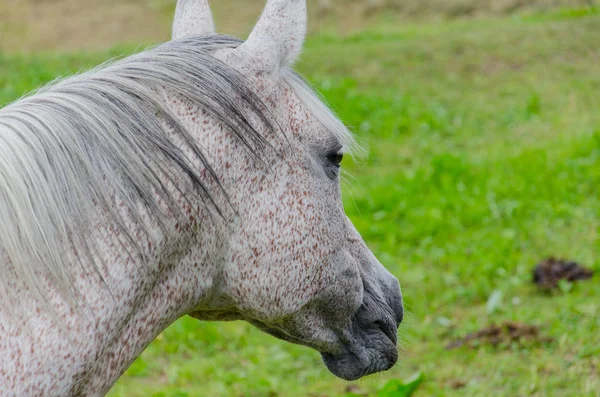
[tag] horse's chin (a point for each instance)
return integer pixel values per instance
(375, 352)
(216, 315)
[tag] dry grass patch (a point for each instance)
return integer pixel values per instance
(66, 25)
(47, 25)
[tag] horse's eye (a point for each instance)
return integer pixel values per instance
(335, 158)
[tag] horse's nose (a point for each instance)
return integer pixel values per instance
(392, 294)
(389, 328)
(394, 298)
(399, 311)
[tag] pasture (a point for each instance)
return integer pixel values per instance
(483, 139)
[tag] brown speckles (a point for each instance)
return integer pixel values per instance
(283, 250)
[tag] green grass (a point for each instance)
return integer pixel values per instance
(484, 158)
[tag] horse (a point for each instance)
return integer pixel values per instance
(199, 177)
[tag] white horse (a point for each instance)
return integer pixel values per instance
(197, 178)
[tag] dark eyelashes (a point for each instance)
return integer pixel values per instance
(335, 158)
(334, 162)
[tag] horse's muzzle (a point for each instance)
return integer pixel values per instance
(370, 343)
(376, 352)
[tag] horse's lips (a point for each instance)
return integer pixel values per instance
(350, 366)
(345, 366)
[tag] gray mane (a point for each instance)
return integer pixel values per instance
(78, 146)
(107, 135)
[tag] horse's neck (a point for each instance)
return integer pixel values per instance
(127, 304)
(85, 351)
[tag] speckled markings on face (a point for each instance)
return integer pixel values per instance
(282, 255)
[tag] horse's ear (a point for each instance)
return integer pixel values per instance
(192, 17)
(279, 34)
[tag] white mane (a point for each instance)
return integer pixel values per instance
(63, 149)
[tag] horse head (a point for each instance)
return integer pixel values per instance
(294, 265)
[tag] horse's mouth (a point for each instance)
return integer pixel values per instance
(370, 343)
(377, 352)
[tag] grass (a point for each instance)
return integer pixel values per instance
(484, 158)
(68, 25)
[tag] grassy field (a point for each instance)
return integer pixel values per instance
(68, 25)
(484, 158)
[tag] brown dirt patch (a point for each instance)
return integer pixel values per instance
(550, 272)
(457, 384)
(505, 334)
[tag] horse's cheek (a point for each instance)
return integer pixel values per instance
(275, 267)
(271, 284)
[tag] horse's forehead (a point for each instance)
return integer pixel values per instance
(271, 87)
(266, 83)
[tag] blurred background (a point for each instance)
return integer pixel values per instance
(30, 25)
(482, 123)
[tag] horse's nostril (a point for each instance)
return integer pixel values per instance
(399, 316)
(393, 296)
(388, 328)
